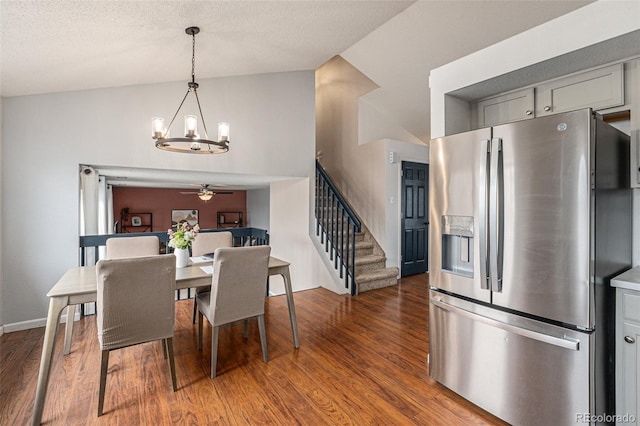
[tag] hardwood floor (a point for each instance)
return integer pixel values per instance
(362, 360)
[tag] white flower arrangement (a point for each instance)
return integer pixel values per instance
(183, 236)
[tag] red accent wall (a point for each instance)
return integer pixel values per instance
(160, 202)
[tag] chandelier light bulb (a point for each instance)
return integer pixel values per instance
(223, 132)
(190, 126)
(158, 129)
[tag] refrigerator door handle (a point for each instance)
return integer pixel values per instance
(566, 343)
(496, 223)
(482, 215)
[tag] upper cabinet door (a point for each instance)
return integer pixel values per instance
(598, 89)
(506, 108)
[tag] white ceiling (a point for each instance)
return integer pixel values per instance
(62, 45)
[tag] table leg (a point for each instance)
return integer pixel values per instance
(56, 305)
(292, 308)
(68, 332)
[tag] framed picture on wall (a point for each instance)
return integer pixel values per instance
(180, 216)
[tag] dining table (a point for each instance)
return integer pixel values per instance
(79, 285)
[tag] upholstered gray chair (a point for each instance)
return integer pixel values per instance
(118, 248)
(208, 242)
(135, 304)
(237, 293)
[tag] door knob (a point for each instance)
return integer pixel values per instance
(547, 108)
(629, 339)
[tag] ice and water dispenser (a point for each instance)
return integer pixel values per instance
(457, 245)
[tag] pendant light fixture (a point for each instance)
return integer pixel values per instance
(191, 143)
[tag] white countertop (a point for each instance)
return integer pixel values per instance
(629, 280)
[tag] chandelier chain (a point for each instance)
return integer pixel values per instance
(193, 58)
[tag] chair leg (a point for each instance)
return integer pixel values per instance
(103, 380)
(246, 329)
(200, 331)
(214, 350)
(263, 337)
(164, 349)
(172, 364)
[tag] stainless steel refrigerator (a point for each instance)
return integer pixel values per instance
(529, 222)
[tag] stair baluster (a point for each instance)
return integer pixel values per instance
(336, 225)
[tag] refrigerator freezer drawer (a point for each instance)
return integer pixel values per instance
(523, 371)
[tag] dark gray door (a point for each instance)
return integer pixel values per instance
(415, 213)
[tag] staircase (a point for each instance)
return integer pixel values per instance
(357, 256)
(370, 260)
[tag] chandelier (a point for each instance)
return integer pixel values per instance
(191, 143)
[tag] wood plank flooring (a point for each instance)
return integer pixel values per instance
(362, 360)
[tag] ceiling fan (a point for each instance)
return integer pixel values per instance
(205, 193)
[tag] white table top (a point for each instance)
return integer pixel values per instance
(82, 279)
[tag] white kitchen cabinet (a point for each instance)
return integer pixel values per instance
(598, 89)
(513, 106)
(627, 350)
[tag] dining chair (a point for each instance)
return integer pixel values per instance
(237, 293)
(118, 248)
(135, 304)
(206, 243)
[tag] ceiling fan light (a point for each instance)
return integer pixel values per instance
(205, 196)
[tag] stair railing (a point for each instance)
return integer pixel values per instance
(336, 226)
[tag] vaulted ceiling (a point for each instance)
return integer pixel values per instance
(64, 45)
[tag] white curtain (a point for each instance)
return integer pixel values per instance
(89, 204)
(105, 211)
(88, 201)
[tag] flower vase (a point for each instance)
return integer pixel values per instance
(182, 257)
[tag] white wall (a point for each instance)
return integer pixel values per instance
(46, 137)
(355, 139)
(355, 168)
(291, 217)
(258, 205)
(1, 230)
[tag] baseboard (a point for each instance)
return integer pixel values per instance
(35, 323)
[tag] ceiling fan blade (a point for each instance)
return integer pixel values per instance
(188, 193)
(222, 192)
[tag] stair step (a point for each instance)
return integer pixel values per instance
(366, 260)
(380, 274)
(364, 248)
(383, 278)
(369, 264)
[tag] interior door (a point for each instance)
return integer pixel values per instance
(415, 220)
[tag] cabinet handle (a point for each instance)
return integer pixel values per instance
(547, 108)
(629, 339)
(528, 112)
